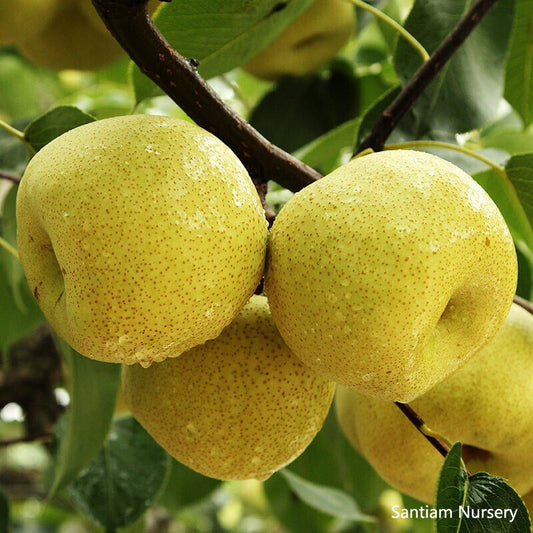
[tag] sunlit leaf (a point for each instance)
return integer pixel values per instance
(325, 499)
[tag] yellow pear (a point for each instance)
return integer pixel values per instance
(22, 17)
(140, 236)
(71, 40)
(238, 407)
(390, 272)
(487, 405)
(307, 43)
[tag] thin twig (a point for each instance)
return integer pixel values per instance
(5, 245)
(9, 177)
(395, 26)
(430, 435)
(129, 22)
(423, 77)
(415, 419)
(522, 302)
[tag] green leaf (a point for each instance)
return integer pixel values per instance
(290, 511)
(328, 151)
(92, 387)
(519, 168)
(466, 94)
(221, 34)
(504, 195)
(13, 153)
(451, 492)
(185, 486)
(491, 504)
(325, 499)
(53, 124)
(477, 504)
(283, 116)
(124, 479)
(8, 230)
(524, 286)
(345, 470)
(19, 313)
(519, 72)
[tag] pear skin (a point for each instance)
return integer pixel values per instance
(389, 273)
(240, 406)
(140, 237)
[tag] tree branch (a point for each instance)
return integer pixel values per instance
(130, 24)
(9, 177)
(522, 302)
(423, 77)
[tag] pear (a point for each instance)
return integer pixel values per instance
(71, 36)
(240, 406)
(71, 40)
(307, 43)
(23, 16)
(487, 405)
(140, 236)
(390, 272)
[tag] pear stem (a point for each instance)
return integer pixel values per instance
(130, 24)
(448, 146)
(18, 134)
(433, 437)
(390, 118)
(9, 177)
(8, 248)
(13, 131)
(393, 24)
(419, 424)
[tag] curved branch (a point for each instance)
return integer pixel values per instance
(522, 302)
(423, 77)
(4, 175)
(130, 24)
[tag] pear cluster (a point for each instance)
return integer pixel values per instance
(143, 239)
(59, 34)
(486, 405)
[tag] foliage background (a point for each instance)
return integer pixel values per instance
(80, 474)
